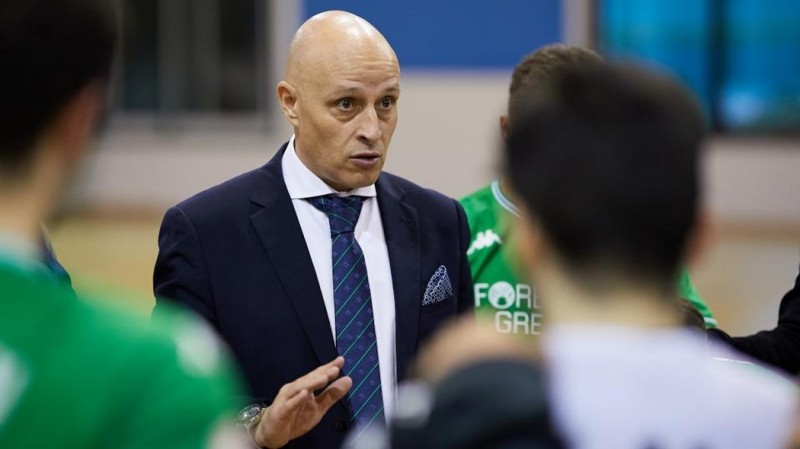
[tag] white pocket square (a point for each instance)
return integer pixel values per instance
(439, 287)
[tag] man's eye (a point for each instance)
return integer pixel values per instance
(345, 103)
(387, 103)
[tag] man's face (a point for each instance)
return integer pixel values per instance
(346, 115)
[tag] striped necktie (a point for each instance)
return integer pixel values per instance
(355, 328)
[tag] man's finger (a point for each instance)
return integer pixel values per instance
(335, 391)
(291, 404)
(337, 362)
(330, 370)
(314, 380)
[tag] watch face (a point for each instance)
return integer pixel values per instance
(248, 413)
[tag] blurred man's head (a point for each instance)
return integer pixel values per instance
(340, 95)
(56, 57)
(605, 161)
(537, 68)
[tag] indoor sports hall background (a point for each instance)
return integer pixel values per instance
(195, 105)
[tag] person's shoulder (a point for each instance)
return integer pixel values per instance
(175, 362)
(29, 303)
(482, 196)
(104, 312)
(49, 318)
(478, 204)
(755, 406)
(421, 197)
(173, 346)
(225, 194)
(745, 389)
(737, 373)
(237, 191)
(502, 398)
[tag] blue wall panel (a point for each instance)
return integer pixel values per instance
(741, 57)
(674, 35)
(462, 34)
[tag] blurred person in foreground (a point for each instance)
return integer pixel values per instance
(623, 372)
(319, 253)
(604, 229)
(77, 373)
(512, 303)
(502, 294)
(473, 387)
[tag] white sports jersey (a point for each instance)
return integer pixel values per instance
(626, 388)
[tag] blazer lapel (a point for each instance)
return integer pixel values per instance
(278, 229)
(401, 230)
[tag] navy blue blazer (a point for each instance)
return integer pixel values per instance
(236, 255)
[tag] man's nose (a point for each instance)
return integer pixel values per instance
(369, 130)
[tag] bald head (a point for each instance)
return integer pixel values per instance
(330, 37)
(340, 96)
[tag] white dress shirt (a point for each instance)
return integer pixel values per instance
(303, 184)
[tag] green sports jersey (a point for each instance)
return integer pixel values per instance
(74, 374)
(499, 293)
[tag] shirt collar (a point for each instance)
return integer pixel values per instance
(503, 200)
(303, 183)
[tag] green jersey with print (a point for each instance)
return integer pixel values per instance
(79, 375)
(500, 295)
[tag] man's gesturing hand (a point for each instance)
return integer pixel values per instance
(296, 409)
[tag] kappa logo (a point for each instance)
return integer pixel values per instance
(484, 240)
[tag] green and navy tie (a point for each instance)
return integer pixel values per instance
(355, 327)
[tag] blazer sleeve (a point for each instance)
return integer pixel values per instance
(466, 299)
(779, 347)
(181, 274)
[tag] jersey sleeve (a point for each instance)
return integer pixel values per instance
(181, 391)
(688, 291)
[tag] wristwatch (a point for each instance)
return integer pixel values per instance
(249, 417)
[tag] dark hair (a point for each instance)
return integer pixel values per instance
(605, 158)
(49, 50)
(538, 67)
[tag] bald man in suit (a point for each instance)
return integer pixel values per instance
(319, 253)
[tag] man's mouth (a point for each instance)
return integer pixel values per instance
(365, 160)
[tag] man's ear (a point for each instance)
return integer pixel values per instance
(76, 123)
(700, 238)
(504, 127)
(287, 95)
